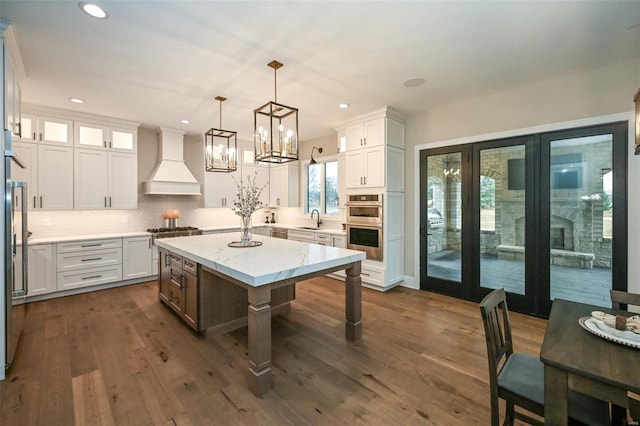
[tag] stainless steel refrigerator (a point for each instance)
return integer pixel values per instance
(16, 257)
(15, 233)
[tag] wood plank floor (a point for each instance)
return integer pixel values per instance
(118, 357)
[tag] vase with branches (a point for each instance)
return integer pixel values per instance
(246, 203)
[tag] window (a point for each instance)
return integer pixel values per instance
(322, 187)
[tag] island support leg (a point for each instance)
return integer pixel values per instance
(353, 303)
(259, 339)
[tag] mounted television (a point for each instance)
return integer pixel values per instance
(566, 172)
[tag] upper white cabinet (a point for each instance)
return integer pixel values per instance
(55, 178)
(284, 185)
(96, 136)
(368, 133)
(374, 155)
(261, 174)
(46, 130)
(365, 168)
(104, 180)
(28, 155)
(220, 188)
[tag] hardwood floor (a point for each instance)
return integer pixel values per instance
(118, 357)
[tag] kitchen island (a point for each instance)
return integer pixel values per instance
(276, 263)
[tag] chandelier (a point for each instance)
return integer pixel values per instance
(220, 147)
(275, 128)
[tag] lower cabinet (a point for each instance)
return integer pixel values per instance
(178, 286)
(42, 270)
(206, 301)
(137, 257)
(87, 263)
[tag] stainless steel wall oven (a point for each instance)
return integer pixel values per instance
(364, 224)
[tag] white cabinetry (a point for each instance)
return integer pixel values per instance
(46, 130)
(55, 178)
(365, 134)
(49, 175)
(105, 180)
(96, 136)
(137, 257)
(220, 188)
(262, 179)
(28, 155)
(339, 241)
(302, 236)
(365, 168)
(42, 270)
(284, 185)
(87, 263)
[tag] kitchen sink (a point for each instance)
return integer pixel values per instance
(312, 228)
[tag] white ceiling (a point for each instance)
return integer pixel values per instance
(157, 62)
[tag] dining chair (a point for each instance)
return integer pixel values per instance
(620, 299)
(518, 378)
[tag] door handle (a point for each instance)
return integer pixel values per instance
(41, 201)
(105, 202)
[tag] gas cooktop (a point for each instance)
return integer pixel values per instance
(180, 231)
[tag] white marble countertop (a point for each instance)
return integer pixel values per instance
(276, 259)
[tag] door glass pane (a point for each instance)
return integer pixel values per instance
(55, 132)
(444, 216)
(502, 218)
(93, 136)
(581, 211)
(122, 140)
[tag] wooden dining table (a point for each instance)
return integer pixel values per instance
(576, 359)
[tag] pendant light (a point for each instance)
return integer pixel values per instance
(220, 147)
(275, 128)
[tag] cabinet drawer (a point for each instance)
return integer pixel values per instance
(88, 277)
(88, 245)
(372, 276)
(323, 238)
(87, 259)
(175, 260)
(189, 266)
(175, 298)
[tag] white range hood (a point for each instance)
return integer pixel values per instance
(171, 176)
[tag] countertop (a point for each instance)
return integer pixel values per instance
(331, 231)
(276, 259)
(64, 239)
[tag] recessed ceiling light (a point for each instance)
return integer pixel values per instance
(413, 82)
(185, 121)
(93, 9)
(343, 106)
(77, 100)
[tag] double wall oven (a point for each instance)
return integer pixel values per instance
(364, 224)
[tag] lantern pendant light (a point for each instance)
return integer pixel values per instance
(275, 128)
(220, 147)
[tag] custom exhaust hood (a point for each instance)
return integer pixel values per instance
(171, 176)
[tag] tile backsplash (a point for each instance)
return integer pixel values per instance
(50, 224)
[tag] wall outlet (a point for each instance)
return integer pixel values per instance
(46, 222)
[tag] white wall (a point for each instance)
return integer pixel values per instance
(605, 91)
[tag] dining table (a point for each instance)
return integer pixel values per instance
(577, 359)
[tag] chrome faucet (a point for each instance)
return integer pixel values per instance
(316, 211)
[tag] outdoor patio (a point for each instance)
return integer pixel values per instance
(581, 285)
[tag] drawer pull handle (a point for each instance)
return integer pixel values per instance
(189, 264)
(91, 259)
(92, 277)
(91, 245)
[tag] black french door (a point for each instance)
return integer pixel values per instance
(533, 214)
